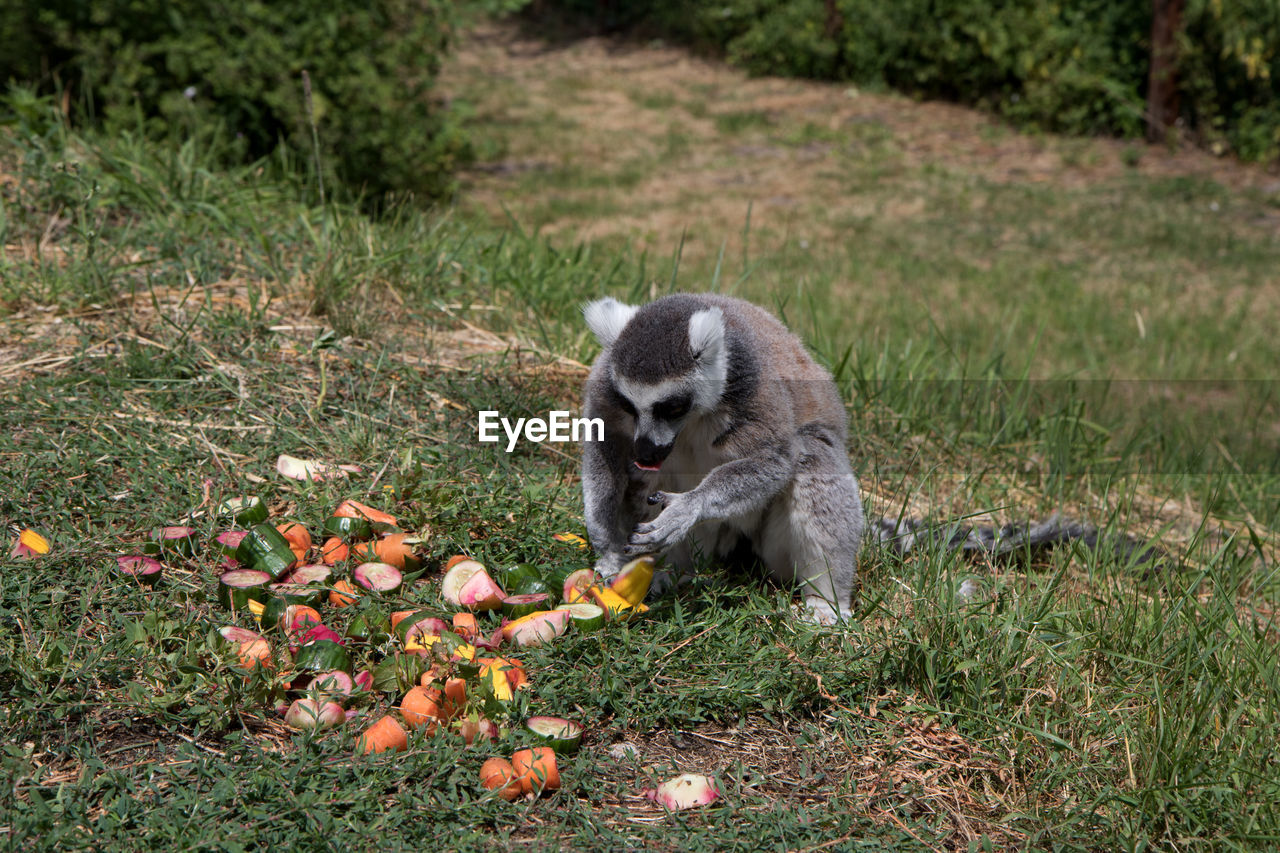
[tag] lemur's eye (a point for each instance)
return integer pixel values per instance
(672, 408)
(623, 403)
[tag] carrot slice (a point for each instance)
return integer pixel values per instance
(334, 550)
(355, 509)
(497, 774)
(536, 769)
(389, 549)
(421, 709)
(337, 597)
(466, 626)
(384, 735)
(455, 697)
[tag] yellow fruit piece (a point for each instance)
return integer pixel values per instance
(420, 642)
(634, 580)
(496, 680)
(572, 538)
(615, 606)
(28, 538)
(256, 608)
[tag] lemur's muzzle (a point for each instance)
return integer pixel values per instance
(649, 456)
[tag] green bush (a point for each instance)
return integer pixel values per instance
(193, 66)
(1077, 66)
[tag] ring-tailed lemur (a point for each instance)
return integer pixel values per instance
(720, 429)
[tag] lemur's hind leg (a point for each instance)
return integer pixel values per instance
(812, 532)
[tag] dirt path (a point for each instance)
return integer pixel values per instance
(646, 142)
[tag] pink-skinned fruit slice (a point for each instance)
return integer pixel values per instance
(335, 686)
(308, 713)
(236, 635)
(576, 586)
(685, 792)
(468, 584)
(536, 629)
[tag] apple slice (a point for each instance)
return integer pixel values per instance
(467, 584)
(576, 586)
(536, 629)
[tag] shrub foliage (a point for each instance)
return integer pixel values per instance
(207, 66)
(1077, 66)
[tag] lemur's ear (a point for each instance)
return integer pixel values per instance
(706, 336)
(606, 318)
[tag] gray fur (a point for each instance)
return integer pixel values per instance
(759, 455)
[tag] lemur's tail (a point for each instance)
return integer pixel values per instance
(906, 534)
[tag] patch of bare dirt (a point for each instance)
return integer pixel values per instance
(598, 104)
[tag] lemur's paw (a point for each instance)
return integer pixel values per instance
(678, 516)
(608, 567)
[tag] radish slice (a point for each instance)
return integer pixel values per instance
(685, 792)
(308, 713)
(317, 574)
(515, 606)
(378, 577)
(173, 540)
(537, 629)
(140, 568)
(308, 469)
(228, 542)
(563, 736)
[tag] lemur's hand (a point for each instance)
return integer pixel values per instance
(680, 512)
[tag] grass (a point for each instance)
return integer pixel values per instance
(172, 329)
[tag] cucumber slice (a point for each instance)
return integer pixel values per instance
(228, 542)
(238, 587)
(246, 511)
(322, 656)
(563, 736)
(534, 586)
(378, 577)
(586, 617)
(264, 548)
(172, 540)
(398, 672)
(145, 570)
(518, 574)
(515, 606)
(370, 628)
(281, 595)
(348, 529)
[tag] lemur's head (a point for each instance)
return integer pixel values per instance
(667, 362)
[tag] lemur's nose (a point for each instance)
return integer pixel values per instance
(648, 454)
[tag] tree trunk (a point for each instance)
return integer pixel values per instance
(835, 21)
(1162, 80)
